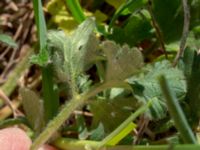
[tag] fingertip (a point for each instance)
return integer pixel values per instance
(15, 139)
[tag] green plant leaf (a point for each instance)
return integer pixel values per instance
(98, 134)
(124, 128)
(7, 40)
(130, 6)
(33, 108)
(193, 95)
(41, 59)
(122, 61)
(111, 112)
(146, 86)
(193, 40)
(169, 18)
(134, 5)
(136, 28)
(84, 83)
(71, 55)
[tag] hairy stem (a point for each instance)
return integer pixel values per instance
(57, 122)
(69, 107)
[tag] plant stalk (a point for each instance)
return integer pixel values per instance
(177, 113)
(49, 95)
(68, 108)
(74, 144)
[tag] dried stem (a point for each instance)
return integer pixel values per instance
(8, 102)
(185, 31)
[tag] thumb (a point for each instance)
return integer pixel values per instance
(16, 139)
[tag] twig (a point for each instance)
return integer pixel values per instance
(88, 114)
(8, 102)
(6, 111)
(157, 28)
(143, 123)
(185, 31)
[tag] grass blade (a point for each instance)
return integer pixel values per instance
(76, 10)
(40, 23)
(50, 98)
(177, 113)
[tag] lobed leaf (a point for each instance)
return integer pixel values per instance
(146, 86)
(111, 112)
(122, 61)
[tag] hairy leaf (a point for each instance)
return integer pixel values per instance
(146, 86)
(71, 55)
(42, 59)
(122, 61)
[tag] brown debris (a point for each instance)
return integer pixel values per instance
(16, 20)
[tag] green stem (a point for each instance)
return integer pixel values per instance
(76, 10)
(57, 122)
(13, 121)
(51, 102)
(106, 85)
(177, 113)
(69, 107)
(74, 144)
(73, 84)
